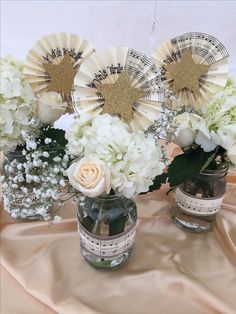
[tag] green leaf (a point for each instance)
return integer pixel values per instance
(209, 160)
(57, 135)
(88, 223)
(117, 226)
(57, 146)
(188, 165)
(157, 182)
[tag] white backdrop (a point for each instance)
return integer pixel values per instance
(108, 23)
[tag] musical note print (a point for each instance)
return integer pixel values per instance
(205, 50)
(105, 67)
(106, 247)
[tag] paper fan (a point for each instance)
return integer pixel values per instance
(122, 81)
(194, 67)
(53, 62)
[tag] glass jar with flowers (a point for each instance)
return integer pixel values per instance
(111, 165)
(34, 167)
(198, 175)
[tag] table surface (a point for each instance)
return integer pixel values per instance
(170, 271)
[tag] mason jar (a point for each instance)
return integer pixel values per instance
(199, 200)
(106, 230)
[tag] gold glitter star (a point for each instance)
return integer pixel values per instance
(186, 73)
(120, 96)
(62, 76)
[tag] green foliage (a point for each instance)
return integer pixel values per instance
(56, 135)
(117, 226)
(158, 181)
(57, 146)
(184, 167)
(188, 165)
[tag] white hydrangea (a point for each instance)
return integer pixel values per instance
(140, 164)
(220, 116)
(16, 103)
(75, 135)
(219, 120)
(216, 125)
(134, 159)
(186, 126)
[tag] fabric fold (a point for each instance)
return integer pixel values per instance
(170, 271)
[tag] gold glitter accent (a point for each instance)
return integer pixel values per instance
(119, 97)
(186, 73)
(62, 76)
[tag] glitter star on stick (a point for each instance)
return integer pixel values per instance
(186, 73)
(120, 96)
(62, 76)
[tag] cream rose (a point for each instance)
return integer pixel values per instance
(181, 120)
(50, 107)
(185, 138)
(185, 135)
(90, 176)
(231, 153)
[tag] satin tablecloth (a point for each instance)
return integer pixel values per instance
(170, 271)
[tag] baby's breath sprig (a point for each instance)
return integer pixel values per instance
(35, 181)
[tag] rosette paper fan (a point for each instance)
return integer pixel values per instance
(194, 67)
(120, 81)
(53, 62)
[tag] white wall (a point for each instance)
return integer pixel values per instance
(107, 23)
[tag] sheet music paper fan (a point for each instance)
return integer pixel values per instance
(105, 67)
(205, 49)
(51, 49)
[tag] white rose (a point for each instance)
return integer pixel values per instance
(50, 107)
(133, 158)
(231, 153)
(188, 126)
(90, 176)
(182, 120)
(185, 138)
(185, 135)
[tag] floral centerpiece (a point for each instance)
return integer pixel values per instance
(208, 140)
(111, 164)
(210, 135)
(21, 110)
(125, 162)
(33, 95)
(35, 164)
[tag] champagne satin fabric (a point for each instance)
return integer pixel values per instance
(170, 271)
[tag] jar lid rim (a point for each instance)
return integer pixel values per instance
(216, 171)
(107, 197)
